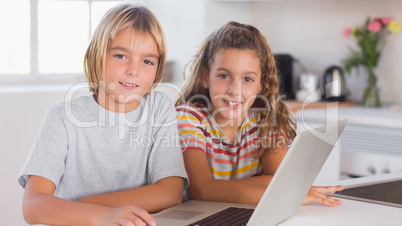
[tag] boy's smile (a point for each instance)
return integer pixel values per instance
(233, 82)
(131, 64)
(128, 85)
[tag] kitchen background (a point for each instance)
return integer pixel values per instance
(310, 30)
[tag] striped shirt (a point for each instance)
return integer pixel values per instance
(198, 130)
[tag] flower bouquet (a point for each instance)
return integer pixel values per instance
(371, 38)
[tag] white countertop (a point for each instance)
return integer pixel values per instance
(350, 212)
(383, 117)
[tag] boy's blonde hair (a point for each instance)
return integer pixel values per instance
(234, 35)
(118, 18)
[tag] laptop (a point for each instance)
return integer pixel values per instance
(282, 198)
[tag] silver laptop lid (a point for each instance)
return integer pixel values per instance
(296, 174)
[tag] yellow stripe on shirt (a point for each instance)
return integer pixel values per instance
(183, 117)
(238, 171)
(253, 119)
(185, 132)
(216, 132)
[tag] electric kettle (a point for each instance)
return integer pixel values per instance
(333, 84)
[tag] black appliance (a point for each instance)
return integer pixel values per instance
(333, 84)
(383, 192)
(284, 65)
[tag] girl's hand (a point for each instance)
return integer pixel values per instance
(317, 194)
(126, 216)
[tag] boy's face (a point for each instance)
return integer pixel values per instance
(233, 81)
(131, 64)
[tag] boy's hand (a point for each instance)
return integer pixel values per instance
(126, 216)
(317, 194)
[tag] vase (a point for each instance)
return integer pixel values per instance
(370, 94)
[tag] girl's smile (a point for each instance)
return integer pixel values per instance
(232, 104)
(234, 82)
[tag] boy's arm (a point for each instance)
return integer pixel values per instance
(164, 193)
(41, 207)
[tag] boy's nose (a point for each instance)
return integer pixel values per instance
(133, 69)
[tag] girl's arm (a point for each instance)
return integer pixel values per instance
(41, 207)
(164, 193)
(270, 163)
(204, 187)
(247, 191)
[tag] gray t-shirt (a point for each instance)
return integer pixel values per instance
(86, 150)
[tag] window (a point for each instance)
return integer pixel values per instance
(15, 39)
(46, 39)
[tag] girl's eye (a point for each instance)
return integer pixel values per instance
(223, 76)
(120, 56)
(248, 79)
(148, 62)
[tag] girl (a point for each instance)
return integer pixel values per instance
(234, 130)
(98, 159)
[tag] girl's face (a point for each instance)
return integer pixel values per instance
(233, 82)
(131, 64)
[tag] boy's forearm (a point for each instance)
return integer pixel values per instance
(51, 210)
(153, 198)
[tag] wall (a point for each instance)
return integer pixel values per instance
(219, 13)
(20, 118)
(312, 32)
(183, 24)
(187, 23)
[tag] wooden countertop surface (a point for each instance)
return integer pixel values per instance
(294, 105)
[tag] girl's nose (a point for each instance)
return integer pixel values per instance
(235, 88)
(133, 69)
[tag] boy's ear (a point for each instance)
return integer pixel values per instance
(205, 77)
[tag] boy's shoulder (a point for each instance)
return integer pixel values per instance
(160, 96)
(62, 107)
(159, 100)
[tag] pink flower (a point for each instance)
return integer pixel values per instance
(374, 26)
(385, 20)
(346, 32)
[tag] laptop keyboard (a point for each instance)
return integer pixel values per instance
(228, 216)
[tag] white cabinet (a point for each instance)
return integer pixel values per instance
(371, 143)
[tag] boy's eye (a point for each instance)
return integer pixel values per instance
(248, 79)
(148, 62)
(120, 56)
